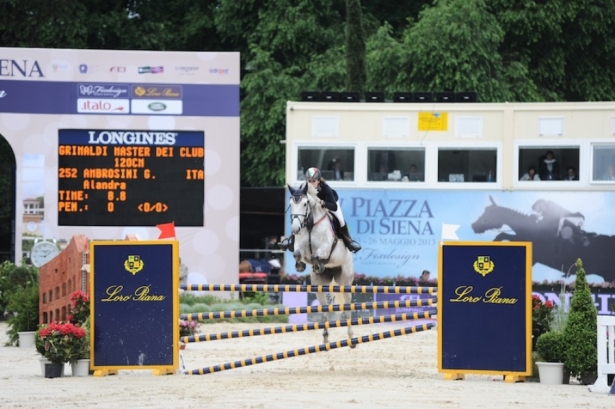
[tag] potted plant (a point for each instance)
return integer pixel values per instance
(551, 350)
(542, 316)
(187, 329)
(23, 305)
(581, 331)
(80, 316)
(63, 342)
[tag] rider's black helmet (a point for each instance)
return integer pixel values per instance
(312, 174)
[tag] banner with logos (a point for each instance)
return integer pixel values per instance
(400, 231)
(64, 188)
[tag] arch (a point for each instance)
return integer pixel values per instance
(8, 166)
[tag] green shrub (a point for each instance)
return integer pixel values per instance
(200, 307)
(24, 306)
(581, 332)
(551, 347)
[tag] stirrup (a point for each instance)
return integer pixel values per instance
(287, 244)
(354, 246)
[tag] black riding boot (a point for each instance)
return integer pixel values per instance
(348, 241)
(288, 243)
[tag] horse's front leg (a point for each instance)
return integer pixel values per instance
(322, 299)
(299, 265)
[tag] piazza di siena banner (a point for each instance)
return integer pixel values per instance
(400, 231)
(112, 143)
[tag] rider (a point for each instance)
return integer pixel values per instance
(328, 199)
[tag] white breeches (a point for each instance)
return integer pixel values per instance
(339, 215)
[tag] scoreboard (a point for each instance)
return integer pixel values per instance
(130, 177)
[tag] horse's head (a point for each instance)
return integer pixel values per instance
(490, 219)
(301, 208)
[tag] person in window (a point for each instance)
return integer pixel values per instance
(336, 166)
(531, 174)
(329, 200)
(610, 173)
(414, 175)
(571, 173)
(548, 167)
(385, 162)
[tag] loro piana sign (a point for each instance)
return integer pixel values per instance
(484, 309)
(135, 310)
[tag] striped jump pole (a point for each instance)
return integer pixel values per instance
(311, 350)
(309, 309)
(308, 327)
(290, 288)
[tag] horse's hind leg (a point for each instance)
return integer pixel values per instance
(348, 316)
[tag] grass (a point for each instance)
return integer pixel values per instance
(191, 303)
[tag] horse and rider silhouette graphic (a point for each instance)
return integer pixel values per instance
(557, 237)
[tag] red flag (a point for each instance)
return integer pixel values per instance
(167, 230)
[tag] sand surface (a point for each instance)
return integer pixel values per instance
(398, 372)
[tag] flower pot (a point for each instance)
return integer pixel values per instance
(551, 373)
(26, 339)
(43, 361)
(80, 367)
(54, 370)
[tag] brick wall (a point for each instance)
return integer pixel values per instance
(59, 278)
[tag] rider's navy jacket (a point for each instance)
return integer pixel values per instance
(327, 194)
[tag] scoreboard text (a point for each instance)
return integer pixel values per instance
(130, 178)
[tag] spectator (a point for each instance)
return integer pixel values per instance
(609, 174)
(548, 167)
(571, 174)
(414, 175)
(531, 174)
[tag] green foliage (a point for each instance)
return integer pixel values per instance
(257, 298)
(581, 333)
(23, 303)
(551, 347)
(542, 317)
(356, 75)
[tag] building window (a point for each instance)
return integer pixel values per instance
(333, 163)
(603, 163)
(467, 165)
(396, 164)
(550, 162)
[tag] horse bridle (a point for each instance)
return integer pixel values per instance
(308, 221)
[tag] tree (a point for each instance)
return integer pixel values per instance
(581, 331)
(455, 47)
(356, 75)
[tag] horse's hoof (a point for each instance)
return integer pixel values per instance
(321, 267)
(351, 345)
(300, 267)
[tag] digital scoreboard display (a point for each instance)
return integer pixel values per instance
(130, 177)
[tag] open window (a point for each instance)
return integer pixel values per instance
(334, 163)
(477, 164)
(549, 162)
(395, 164)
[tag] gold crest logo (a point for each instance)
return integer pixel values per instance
(140, 91)
(133, 264)
(483, 265)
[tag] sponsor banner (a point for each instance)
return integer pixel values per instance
(130, 137)
(102, 106)
(198, 99)
(405, 310)
(103, 90)
(151, 70)
(156, 107)
(156, 91)
(484, 294)
(400, 230)
(138, 282)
